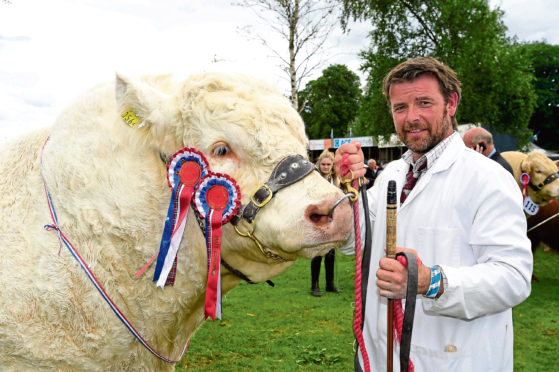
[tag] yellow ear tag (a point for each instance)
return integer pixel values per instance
(131, 119)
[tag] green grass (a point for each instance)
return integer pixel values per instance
(536, 320)
(286, 329)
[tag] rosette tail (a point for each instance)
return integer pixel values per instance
(185, 170)
(217, 200)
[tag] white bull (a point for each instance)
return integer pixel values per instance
(109, 189)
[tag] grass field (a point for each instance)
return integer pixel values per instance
(286, 329)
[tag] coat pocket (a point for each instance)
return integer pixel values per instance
(453, 360)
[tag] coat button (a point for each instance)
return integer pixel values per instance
(450, 349)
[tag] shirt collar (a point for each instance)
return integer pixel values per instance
(431, 156)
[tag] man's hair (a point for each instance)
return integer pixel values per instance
(414, 68)
(481, 134)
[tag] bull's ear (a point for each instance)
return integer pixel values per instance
(525, 165)
(557, 164)
(140, 104)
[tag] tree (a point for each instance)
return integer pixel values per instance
(331, 102)
(545, 67)
(305, 25)
(464, 34)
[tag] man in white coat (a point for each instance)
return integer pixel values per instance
(463, 219)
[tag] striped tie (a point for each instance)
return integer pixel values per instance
(412, 177)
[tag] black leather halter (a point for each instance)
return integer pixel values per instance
(289, 170)
(552, 177)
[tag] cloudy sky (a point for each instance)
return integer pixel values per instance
(51, 51)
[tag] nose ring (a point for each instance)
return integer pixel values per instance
(331, 212)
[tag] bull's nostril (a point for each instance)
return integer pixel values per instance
(319, 218)
(320, 214)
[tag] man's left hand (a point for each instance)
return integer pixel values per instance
(392, 276)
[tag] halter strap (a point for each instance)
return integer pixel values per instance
(552, 177)
(288, 171)
(239, 274)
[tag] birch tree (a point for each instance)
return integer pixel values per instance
(304, 25)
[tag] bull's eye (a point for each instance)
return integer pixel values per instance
(221, 149)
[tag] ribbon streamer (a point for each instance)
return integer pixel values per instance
(217, 199)
(186, 168)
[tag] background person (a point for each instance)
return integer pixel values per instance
(371, 173)
(481, 141)
(324, 164)
(463, 219)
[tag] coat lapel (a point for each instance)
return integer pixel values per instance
(447, 158)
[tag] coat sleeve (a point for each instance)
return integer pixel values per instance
(500, 277)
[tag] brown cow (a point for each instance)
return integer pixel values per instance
(544, 181)
(547, 232)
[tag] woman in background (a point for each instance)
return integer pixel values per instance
(324, 164)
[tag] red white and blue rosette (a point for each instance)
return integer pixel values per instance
(217, 199)
(185, 170)
(189, 174)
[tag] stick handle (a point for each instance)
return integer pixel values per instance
(391, 207)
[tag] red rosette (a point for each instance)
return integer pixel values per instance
(217, 191)
(187, 166)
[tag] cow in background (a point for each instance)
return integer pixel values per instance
(548, 232)
(543, 184)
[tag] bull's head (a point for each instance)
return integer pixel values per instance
(544, 179)
(244, 128)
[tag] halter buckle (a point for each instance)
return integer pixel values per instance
(266, 199)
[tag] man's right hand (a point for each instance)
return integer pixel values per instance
(354, 160)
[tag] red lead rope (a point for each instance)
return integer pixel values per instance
(358, 319)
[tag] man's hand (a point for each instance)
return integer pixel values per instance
(354, 160)
(392, 277)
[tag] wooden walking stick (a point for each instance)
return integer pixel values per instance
(391, 206)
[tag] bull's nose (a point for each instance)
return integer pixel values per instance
(323, 213)
(331, 211)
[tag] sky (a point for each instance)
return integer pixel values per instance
(52, 51)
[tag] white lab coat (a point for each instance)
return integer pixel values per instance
(465, 215)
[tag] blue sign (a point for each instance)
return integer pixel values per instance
(340, 141)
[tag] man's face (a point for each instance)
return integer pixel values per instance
(372, 164)
(421, 117)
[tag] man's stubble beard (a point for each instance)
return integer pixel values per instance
(425, 145)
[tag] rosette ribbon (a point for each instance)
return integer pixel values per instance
(185, 170)
(217, 199)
